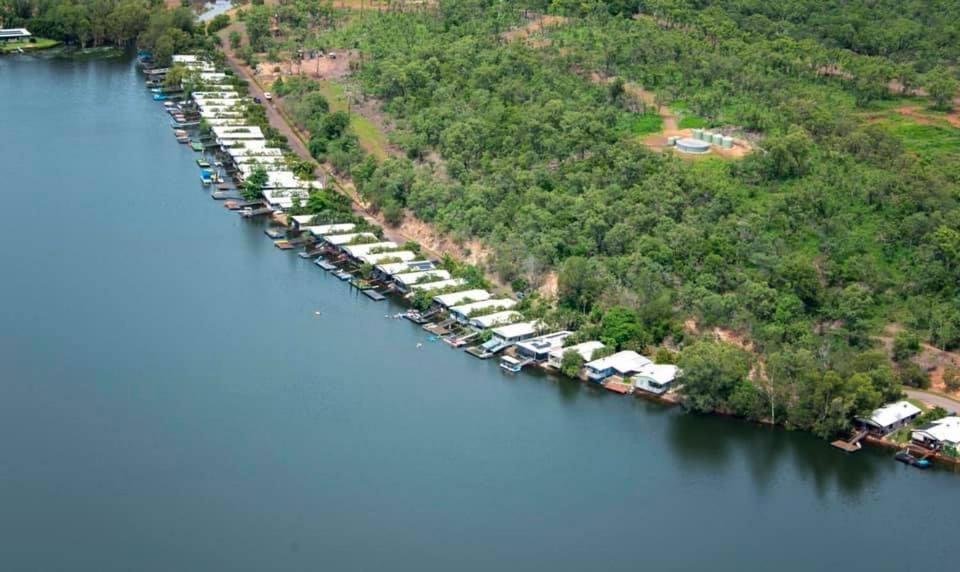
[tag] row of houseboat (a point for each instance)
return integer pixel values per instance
(485, 325)
(482, 323)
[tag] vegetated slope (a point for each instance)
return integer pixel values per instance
(829, 232)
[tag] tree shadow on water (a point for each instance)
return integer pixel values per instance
(773, 456)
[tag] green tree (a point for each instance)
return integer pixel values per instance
(712, 371)
(942, 85)
(572, 363)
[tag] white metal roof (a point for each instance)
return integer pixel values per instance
(392, 268)
(544, 343)
(585, 350)
(438, 285)
(945, 430)
(496, 319)
(358, 250)
(402, 255)
(410, 278)
(520, 329)
(283, 198)
(184, 58)
(455, 298)
(340, 239)
(660, 373)
(325, 229)
(624, 362)
(237, 132)
(893, 413)
(502, 303)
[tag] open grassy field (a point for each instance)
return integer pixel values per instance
(931, 139)
(372, 139)
(36, 44)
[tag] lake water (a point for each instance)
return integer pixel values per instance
(170, 401)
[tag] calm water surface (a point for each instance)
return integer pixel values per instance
(169, 401)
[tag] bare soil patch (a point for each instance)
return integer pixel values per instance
(533, 33)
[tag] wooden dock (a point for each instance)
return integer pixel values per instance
(617, 385)
(853, 445)
(374, 295)
(326, 265)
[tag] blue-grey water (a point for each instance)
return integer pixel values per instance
(170, 401)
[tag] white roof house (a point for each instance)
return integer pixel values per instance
(9, 34)
(213, 77)
(438, 285)
(224, 121)
(891, 416)
(496, 319)
(462, 297)
(380, 258)
(518, 331)
(656, 378)
(538, 349)
(358, 250)
(331, 229)
(341, 239)
(283, 198)
(184, 58)
(585, 350)
(237, 132)
(462, 312)
(407, 279)
(217, 94)
(392, 268)
(944, 431)
(621, 363)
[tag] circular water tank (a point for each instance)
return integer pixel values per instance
(689, 145)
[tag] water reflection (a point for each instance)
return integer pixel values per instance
(713, 445)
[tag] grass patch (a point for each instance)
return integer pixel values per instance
(935, 141)
(642, 124)
(36, 44)
(371, 139)
(693, 122)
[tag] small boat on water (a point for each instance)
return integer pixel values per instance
(206, 177)
(343, 275)
(196, 146)
(905, 457)
(160, 97)
(203, 163)
(182, 136)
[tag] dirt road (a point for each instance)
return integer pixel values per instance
(934, 400)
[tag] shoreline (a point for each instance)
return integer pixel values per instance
(277, 119)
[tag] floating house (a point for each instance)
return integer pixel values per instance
(344, 239)
(406, 280)
(533, 351)
(282, 199)
(358, 250)
(392, 268)
(506, 336)
(623, 364)
(585, 349)
(462, 297)
(656, 378)
(496, 319)
(537, 350)
(384, 257)
(429, 286)
(462, 312)
(889, 418)
(938, 434)
(237, 133)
